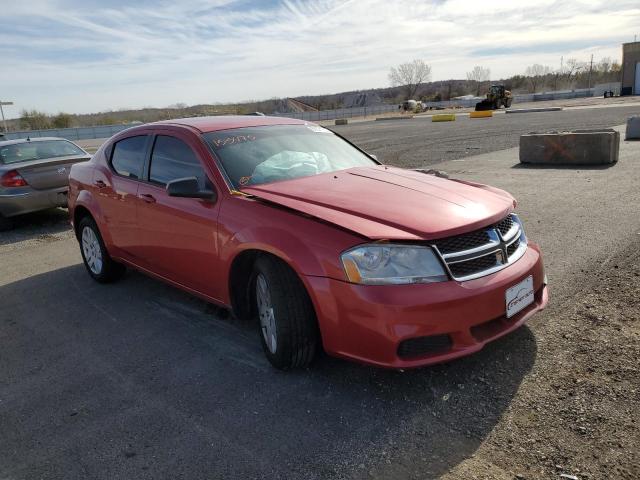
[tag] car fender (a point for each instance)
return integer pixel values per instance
(86, 199)
(279, 242)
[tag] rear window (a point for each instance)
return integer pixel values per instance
(128, 156)
(37, 150)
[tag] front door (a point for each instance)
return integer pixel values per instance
(178, 235)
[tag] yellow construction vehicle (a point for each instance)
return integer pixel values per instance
(496, 98)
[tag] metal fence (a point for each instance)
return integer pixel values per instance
(79, 133)
(341, 113)
(106, 131)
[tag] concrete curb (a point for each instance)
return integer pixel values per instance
(402, 117)
(580, 147)
(533, 110)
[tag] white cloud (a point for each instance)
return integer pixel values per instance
(87, 56)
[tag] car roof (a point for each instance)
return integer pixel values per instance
(29, 140)
(225, 122)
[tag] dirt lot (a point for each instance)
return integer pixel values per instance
(138, 380)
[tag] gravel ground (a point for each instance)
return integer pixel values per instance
(139, 380)
(419, 142)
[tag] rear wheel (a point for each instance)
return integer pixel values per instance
(94, 254)
(286, 318)
(5, 224)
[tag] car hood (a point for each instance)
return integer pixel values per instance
(382, 202)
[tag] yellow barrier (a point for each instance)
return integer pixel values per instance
(444, 117)
(481, 114)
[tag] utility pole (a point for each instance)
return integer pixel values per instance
(4, 122)
(590, 70)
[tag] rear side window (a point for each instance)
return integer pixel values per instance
(38, 150)
(128, 156)
(172, 159)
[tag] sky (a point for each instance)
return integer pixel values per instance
(82, 56)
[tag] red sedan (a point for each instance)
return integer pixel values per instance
(287, 223)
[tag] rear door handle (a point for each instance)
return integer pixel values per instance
(147, 198)
(100, 184)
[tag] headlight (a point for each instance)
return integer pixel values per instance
(384, 264)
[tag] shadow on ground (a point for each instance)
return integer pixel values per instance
(138, 380)
(37, 225)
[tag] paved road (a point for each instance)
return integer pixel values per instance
(419, 142)
(138, 380)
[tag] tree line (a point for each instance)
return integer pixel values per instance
(411, 80)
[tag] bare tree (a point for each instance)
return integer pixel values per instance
(409, 76)
(34, 120)
(535, 75)
(479, 75)
(604, 65)
(571, 69)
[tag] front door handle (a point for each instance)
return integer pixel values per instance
(148, 198)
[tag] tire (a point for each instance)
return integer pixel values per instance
(291, 340)
(94, 254)
(6, 224)
(507, 103)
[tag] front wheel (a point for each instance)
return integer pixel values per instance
(287, 321)
(94, 254)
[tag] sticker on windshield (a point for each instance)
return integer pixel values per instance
(317, 129)
(233, 140)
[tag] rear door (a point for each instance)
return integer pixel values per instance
(178, 236)
(116, 191)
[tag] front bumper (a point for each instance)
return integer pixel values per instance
(367, 323)
(25, 200)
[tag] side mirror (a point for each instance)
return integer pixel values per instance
(189, 188)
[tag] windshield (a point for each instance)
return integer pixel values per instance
(256, 155)
(37, 150)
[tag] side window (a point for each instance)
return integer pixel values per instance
(128, 156)
(172, 159)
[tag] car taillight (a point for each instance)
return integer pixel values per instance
(12, 179)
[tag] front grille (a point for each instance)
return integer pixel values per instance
(491, 249)
(421, 346)
(463, 242)
(511, 249)
(505, 225)
(474, 266)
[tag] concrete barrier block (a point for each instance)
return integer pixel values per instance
(533, 110)
(580, 147)
(633, 128)
(401, 117)
(444, 117)
(481, 114)
(341, 121)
